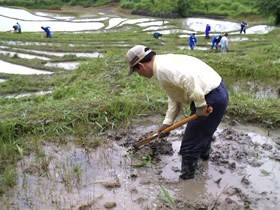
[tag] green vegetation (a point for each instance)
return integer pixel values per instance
(144, 161)
(99, 96)
(270, 8)
(165, 196)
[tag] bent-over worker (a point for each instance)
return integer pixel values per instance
(186, 80)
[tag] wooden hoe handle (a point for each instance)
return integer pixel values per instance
(170, 128)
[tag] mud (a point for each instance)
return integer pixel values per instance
(267, 91)
(242, 173)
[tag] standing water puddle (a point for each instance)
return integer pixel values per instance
(39, 93)
(64, 65)
(61, 54)
(10, 68)
(242, 172)
(23, 55)
(68, 177)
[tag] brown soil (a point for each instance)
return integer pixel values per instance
(242, 173)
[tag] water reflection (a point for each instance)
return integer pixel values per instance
(196, 48)
(29, 43)
(61, 54)
(198, 24)
(238, 38)
(10, 68)
(259, 29)
(64, 65)
(20, 14)
(28, 94)
(54, 16)
(151, 23)
(114, 22)
(260, 92)
(35, 26)
(32, 23)
(22, 55)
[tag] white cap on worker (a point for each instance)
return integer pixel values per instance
(136, 54)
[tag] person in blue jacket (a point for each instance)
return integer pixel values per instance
(156, 35)
(243, 27)
(48, 31)
(192, 41)
(207, 31)
(17, 28)
(216, 40)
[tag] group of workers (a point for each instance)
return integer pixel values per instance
(218, 40)
(17, 29)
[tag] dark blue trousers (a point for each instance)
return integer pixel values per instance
(198, 134)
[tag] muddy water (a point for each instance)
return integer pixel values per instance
(75, 178)
(243, 172)
(253, 88)
(248, 181)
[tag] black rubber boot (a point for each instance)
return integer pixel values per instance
(205, 155)
(188, 167)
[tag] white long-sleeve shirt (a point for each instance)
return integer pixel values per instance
(224, 42)
(185, 79)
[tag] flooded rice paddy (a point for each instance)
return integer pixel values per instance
(242, 173)
(23, 55)
(64, 65)
(31, 22)
(10, 68)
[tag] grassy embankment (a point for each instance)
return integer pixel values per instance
(98, 95)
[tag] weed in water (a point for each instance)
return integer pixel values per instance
(144, 161)
(165, 195)
(71, 176)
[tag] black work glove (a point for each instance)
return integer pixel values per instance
(202, 111)
(160, 133)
